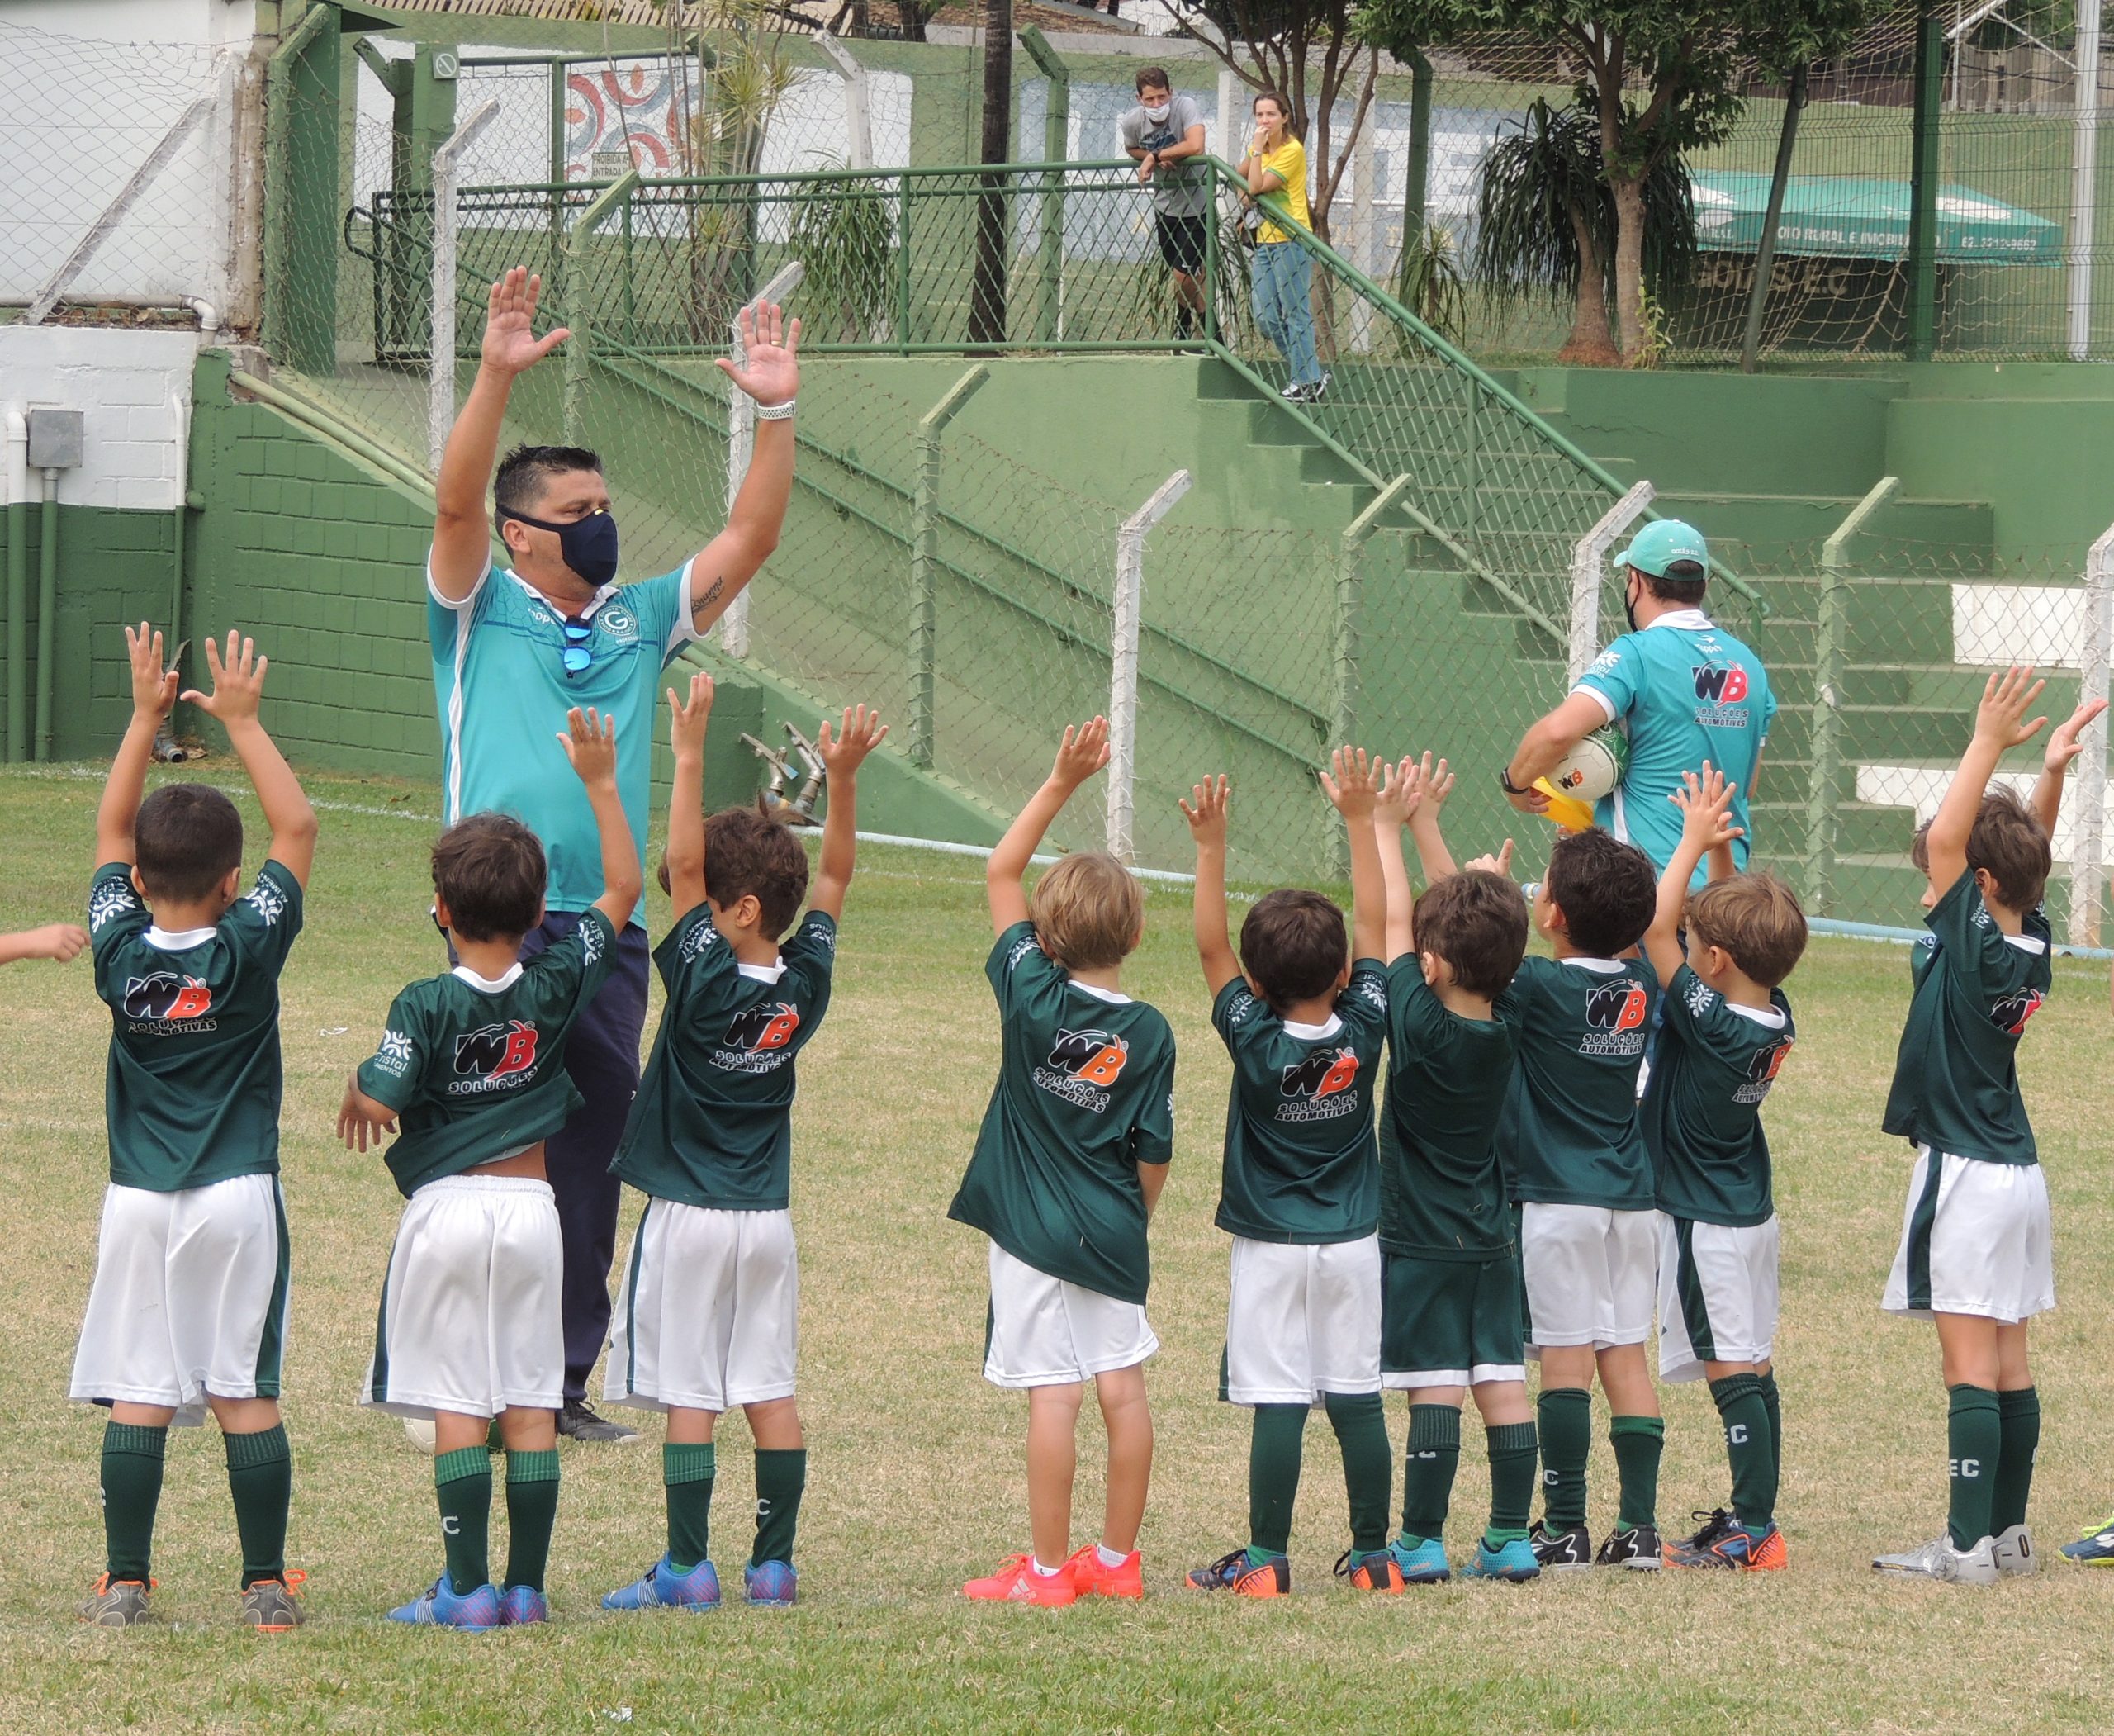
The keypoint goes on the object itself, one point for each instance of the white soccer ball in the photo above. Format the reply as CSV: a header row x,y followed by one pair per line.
x,y
1595,767
420,1432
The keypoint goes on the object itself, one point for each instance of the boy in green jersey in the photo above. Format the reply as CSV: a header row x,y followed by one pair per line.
x,y
469,1075
1974,1254
1726,1031
708,1315
1589,1225
188,1310
1069,1161
1305,1018
1450,1309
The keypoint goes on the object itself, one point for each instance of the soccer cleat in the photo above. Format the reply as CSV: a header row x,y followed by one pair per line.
x,y
660,1587
1370,1570
1424,1564
273,1605
1515,1562
118,1603
1017,1582
1938,1559
521,1606
771,1585
2094,1547
439,1606
1716,1523
1638,1547
2014,1554
1560,1551
1231,1573
1091,1578
1733,1546
578,1421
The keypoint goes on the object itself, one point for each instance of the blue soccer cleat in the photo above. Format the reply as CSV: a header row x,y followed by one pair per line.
x,y
772,1585
662,1587
2095,1548
521,1606
439,1606
1424,1564
1514,1562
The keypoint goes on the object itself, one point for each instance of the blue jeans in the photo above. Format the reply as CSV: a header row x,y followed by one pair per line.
x,y
1281,282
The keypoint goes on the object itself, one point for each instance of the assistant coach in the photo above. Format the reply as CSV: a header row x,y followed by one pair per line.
x,y
513,647
1684,688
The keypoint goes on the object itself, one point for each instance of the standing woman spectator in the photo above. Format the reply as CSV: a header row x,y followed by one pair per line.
x,y
1282,279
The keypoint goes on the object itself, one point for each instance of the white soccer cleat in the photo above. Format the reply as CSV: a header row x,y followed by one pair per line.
x,y
1938,1559
2014,1551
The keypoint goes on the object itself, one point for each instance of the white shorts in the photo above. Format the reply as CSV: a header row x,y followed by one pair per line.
x,y
1717,1295
1302,1320
1592,1275
1974,1240
469,1319
708,1316
1045,1332
189,1297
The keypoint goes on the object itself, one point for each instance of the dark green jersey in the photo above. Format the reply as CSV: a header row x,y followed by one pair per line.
x,y
1702,1108
1301,1164
192,1090
1085,1095
476,1069
1442,1191
712,1122
1955,1081
1570,1135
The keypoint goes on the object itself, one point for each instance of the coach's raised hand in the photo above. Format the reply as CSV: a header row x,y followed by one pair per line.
x,y
511,345
770,370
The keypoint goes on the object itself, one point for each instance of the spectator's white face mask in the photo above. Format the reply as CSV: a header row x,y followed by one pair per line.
x,y
1161,113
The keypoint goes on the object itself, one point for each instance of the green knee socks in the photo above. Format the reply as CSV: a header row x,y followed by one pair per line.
x,y
131,1491
687,1472
462,1484
1751,1446
1276,1439
531,1511
781,1479
2018,1415
261,1481
1513,1450
1361,1424
1429,1464
1638,1442
1566,1416
1974,1444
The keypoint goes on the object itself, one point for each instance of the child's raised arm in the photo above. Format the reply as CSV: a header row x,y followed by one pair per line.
x,y
1433,784
686,725
859,733
1083,752
1397,800
237,692
1352,783
589,740
153,692
2063,747
1207,826
1999,725
1706,805
57,940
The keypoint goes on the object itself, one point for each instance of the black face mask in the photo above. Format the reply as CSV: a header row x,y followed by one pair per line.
x,y
1629,602
588,546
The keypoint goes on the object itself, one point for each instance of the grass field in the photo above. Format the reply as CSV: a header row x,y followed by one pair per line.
x,y
916,1480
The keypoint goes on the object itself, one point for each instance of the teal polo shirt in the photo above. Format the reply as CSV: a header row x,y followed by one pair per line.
x,y
499,675
1685,691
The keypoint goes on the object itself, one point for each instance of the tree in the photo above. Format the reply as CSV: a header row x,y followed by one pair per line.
x,y
1273,43
1660,78
987,298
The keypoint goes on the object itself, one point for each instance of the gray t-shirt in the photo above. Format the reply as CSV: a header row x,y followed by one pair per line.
x,y
1179,189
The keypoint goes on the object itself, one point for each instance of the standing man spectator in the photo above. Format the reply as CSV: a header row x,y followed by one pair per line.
x,y
1161,134
512,649
1684,688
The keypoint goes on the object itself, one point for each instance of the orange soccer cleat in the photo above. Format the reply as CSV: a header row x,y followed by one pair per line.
x,y
1017,1582
1093,1579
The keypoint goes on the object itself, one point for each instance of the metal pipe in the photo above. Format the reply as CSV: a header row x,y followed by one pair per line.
x,y
47,609
17,483
1128,620
2084,172
1350,588
924,562
2088,835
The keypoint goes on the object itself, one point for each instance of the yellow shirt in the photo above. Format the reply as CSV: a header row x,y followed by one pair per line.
x,y
1288,161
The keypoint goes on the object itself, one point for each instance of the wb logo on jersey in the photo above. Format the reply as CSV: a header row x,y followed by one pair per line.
x,y
493,1053
2010,1013
164,997
1720,683
1322,1074
1762,1071
1617,1005
768,1025
1093,1055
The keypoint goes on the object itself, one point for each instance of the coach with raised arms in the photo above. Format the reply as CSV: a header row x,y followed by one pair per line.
x,y
1683,689
513,648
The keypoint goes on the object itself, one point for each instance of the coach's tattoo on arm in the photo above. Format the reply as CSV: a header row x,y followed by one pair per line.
x,y
705,600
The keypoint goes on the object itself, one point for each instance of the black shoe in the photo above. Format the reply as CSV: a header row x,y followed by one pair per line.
x,y
1638,1547
577,1422
1716,1523
1185,321
1557,1551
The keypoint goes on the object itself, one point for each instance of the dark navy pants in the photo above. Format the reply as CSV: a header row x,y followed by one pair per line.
x,y
602,1056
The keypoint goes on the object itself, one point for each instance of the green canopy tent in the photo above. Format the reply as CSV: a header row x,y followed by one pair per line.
x,y
1849,217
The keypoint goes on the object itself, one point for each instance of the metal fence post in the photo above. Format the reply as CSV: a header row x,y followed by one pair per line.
x,y
858,124
2084,183
924,562
440,375
1350,589
2089,834
1056,135
1829,646
741,443
1128,617
1588,557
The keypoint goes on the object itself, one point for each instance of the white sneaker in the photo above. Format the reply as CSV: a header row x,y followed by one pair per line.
x,y
2014,1553
1938,1559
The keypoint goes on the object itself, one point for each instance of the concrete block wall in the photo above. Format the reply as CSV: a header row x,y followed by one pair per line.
x,y
134,390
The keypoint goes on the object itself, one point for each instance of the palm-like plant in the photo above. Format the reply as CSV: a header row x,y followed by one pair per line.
x,y
1428,282
844,234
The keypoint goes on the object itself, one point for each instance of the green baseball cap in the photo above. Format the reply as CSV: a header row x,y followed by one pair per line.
x,y
1663,544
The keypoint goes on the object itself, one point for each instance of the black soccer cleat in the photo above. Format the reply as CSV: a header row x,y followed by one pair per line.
x,y
1638,1547
1560,1551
